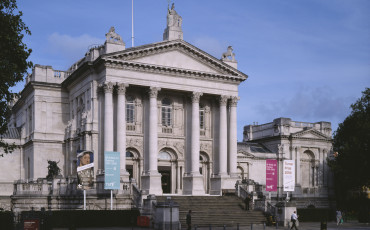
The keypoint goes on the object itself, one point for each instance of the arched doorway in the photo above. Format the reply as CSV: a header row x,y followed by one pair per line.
x,y
164,168
133,164
204,169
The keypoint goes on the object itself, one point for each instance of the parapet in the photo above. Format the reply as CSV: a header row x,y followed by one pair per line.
x,y
43,73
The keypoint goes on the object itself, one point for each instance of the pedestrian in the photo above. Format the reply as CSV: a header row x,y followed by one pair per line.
x,y
188,220
247,200
294,219
339,217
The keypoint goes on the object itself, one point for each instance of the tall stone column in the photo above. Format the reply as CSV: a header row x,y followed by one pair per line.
x,y
221,180
195,142
153,131
233,142
108,116
193,181
223,137
151,180
121,129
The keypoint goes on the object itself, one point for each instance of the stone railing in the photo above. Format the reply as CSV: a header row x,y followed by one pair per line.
x,y
136,196
32,187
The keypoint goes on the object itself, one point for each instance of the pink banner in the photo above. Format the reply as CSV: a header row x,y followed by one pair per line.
x,y
271,175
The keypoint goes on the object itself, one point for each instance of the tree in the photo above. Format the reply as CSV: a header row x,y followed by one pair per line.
x,y
13,59
351,161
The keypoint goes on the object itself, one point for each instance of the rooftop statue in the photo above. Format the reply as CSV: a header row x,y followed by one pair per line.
x,y
228,53
113,37
173,18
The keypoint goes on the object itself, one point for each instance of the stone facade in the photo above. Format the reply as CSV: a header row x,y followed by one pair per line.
x,y
168,107
308,144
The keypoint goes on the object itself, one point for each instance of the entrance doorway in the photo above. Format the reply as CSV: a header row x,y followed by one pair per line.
x,y
165,178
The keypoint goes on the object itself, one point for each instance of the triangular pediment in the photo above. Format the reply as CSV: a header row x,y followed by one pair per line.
x,y
177,59
311,134
176,55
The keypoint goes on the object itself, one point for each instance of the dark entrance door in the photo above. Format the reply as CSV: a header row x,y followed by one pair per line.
x,y
165,179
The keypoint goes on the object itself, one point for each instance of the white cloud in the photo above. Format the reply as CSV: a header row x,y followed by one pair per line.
x,y
309,104
69,47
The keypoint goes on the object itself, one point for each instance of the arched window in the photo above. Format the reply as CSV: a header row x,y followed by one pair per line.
x,y
164,155
129,154
130,110
166,112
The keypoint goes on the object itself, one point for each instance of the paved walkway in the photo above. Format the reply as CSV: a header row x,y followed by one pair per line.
x,y
303,226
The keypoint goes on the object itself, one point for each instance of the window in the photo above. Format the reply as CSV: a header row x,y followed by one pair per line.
x,y
129,154
130,110
30,119
164,156
166,112
201,117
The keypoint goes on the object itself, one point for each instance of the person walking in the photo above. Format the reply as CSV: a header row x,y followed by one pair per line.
x,y
188,220
294,219
339,217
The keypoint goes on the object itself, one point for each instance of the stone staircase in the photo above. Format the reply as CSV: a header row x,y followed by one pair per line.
x,y
215,211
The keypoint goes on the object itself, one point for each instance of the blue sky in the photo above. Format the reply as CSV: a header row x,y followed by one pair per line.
x,y
307,60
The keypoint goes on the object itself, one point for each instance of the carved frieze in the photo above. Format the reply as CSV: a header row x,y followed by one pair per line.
x,y
206,147
176,145
136,143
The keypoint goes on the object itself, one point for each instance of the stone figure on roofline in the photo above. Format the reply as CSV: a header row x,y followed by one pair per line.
x,y
173,18
112,36
228,53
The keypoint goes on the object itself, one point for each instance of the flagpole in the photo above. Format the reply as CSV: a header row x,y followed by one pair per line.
x,y
132,22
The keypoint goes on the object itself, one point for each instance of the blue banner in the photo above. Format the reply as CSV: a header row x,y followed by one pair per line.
x,y
112,170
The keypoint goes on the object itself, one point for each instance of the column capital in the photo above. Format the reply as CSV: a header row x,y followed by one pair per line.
x,y
121,88
153,91
223,99
234,100
195,97
108,87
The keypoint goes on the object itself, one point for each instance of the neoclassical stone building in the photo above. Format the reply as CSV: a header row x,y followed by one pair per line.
x,y
169,108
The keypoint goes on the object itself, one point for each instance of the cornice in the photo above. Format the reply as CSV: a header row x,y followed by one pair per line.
x,y
179,45
149,68
321,137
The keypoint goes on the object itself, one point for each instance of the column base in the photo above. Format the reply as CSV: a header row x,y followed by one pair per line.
x,y
222,182
193,185
151,183
124,183
124,176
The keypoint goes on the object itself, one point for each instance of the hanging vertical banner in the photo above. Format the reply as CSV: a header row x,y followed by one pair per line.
x,y
288,175
112,170
271,175
85,169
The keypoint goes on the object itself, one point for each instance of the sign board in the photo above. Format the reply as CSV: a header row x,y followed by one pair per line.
x,y
85,169
271,175
289,175
112,170
33,224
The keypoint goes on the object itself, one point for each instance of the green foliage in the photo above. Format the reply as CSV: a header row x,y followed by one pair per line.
x,y
352,142
53,170
13,57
